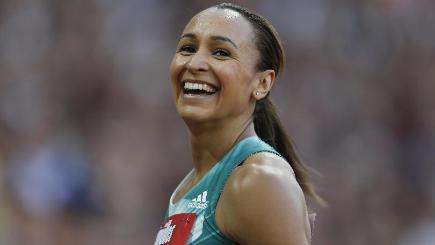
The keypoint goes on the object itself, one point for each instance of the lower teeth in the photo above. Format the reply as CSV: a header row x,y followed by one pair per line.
x,y
190,92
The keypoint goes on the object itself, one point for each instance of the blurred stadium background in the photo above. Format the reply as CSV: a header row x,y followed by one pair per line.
x,y
91,146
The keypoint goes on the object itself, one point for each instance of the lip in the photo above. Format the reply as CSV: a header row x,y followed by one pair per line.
x,y
197,97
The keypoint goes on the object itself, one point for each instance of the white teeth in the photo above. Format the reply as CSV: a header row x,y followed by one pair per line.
x,y
199,86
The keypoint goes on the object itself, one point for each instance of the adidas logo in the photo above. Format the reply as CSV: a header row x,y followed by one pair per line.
x,y
165,234
199,202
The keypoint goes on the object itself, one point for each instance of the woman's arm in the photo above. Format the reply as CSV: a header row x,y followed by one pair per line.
x,y
262,203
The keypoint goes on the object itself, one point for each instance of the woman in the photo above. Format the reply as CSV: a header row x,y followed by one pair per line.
x,y
247,185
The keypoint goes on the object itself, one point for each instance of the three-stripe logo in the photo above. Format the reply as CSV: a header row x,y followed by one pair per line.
x,y
199,202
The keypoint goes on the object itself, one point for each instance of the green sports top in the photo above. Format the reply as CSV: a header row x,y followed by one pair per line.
x,y
192,219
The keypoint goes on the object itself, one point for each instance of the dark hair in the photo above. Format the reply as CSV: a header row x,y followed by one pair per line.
x,y
267,124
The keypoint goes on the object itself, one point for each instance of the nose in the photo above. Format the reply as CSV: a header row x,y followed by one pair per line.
x,y
198,62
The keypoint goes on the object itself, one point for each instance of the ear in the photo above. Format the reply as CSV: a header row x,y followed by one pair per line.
x,y
264,83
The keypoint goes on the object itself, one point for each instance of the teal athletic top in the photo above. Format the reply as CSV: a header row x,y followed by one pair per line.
x,y
192,219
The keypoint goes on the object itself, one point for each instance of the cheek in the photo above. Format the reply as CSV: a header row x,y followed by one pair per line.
x,y
235,77
176,67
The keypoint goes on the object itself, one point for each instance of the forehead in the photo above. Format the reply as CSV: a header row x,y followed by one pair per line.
x,y
224,22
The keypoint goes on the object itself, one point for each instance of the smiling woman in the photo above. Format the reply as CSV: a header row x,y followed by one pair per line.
x,y
247,185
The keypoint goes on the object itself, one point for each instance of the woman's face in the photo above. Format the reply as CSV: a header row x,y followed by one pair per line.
x,y
213,69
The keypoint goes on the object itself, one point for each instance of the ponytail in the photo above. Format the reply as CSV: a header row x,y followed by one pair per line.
x,y
269,128
266,121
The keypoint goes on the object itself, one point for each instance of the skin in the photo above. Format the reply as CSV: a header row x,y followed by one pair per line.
x,y
217,48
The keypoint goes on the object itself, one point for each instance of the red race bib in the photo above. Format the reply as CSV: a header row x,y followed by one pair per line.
x,y
176,229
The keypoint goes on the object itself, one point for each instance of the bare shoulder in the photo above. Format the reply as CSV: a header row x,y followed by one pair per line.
x,y
262,203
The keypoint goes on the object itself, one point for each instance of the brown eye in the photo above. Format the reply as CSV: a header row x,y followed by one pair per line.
x,y
221,53
186,50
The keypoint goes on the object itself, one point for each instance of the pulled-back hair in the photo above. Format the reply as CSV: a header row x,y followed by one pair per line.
x,y
267,123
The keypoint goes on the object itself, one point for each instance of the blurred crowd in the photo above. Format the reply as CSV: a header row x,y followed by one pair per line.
x,y
91,146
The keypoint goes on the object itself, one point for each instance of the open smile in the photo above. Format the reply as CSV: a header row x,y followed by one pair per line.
x,y
197,88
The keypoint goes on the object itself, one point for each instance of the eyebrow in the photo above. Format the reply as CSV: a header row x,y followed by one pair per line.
x,y
214,38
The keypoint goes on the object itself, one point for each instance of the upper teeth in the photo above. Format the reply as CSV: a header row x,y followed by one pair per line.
x,y
199,86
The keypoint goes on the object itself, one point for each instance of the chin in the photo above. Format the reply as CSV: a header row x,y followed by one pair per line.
x,y
194,116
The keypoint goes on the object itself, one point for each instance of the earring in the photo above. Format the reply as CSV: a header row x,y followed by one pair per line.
x,y
257,93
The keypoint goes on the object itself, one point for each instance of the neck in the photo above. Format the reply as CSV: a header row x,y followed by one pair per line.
x,y
211,142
